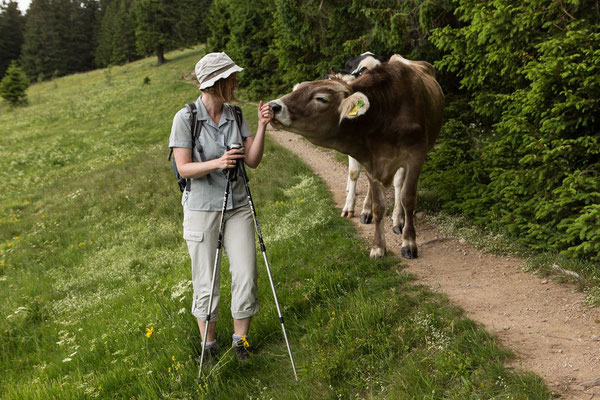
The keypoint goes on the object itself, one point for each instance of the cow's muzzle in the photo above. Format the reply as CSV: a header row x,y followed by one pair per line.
x,y
275,107
280,112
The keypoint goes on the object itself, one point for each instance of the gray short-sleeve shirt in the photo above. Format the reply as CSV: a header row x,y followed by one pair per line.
x,y
207,194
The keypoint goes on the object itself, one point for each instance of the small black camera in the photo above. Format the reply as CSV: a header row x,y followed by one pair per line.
x,y
233,146
232,172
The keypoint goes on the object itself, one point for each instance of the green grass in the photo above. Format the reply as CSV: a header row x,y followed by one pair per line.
x,y
91,257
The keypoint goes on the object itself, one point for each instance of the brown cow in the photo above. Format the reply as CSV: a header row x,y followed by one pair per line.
x,y
388,119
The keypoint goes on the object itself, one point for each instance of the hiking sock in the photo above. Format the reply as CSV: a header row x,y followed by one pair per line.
x,y
236,338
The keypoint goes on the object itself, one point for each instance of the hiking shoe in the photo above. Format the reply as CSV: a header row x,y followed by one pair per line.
x,y
241,349
210,355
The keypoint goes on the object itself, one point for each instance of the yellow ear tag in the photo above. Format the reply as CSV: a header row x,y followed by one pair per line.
x,y
354,111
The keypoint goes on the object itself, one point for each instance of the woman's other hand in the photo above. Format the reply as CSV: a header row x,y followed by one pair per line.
x,y
265,114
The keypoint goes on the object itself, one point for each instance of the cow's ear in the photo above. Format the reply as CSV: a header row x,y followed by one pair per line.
x,y
354,106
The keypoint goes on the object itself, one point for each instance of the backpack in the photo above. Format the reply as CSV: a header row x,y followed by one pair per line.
x,y
195,130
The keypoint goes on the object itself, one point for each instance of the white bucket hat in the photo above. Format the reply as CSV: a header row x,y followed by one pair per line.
x,y
214,66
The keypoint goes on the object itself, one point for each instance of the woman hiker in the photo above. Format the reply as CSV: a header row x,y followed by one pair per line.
x,y
202,201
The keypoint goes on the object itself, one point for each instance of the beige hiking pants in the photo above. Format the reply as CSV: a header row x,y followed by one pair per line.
x,y
201,232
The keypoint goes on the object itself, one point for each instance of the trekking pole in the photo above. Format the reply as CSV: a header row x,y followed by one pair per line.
x,y
217,262
264,252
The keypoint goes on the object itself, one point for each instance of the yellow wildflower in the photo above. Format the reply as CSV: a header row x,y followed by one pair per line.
x,y
81,244
333,313
10,244
173,358
246,344
149,331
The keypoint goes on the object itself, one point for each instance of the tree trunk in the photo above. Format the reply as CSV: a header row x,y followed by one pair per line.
x,y
160,54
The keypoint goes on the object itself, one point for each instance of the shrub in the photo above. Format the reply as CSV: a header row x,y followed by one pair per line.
x,y
14,85
531,71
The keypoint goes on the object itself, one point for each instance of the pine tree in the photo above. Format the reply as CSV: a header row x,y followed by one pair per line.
x,y
155,31
59,37
104,40
218,21
195,13
38,55
116,36
14,85
245,31
11,34
124,43
81,39
162,25
74,22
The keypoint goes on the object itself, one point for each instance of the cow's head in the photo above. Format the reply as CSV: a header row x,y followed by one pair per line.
x,y
316,109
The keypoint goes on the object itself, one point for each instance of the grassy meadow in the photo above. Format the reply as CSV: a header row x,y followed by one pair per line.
x,y
95,284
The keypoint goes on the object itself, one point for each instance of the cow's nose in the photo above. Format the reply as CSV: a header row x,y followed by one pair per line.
x,y
275,107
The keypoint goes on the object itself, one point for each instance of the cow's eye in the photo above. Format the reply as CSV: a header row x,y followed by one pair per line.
x,y
321,99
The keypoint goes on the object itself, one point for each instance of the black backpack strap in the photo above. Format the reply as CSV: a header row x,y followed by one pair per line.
x,y
191,107
196,130
237,110
183,183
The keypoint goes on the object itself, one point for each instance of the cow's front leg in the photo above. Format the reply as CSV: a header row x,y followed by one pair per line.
x,y
353,174
378,207
366,215
398,214
409,202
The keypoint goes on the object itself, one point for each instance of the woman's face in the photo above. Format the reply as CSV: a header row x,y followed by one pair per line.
x,y
230,85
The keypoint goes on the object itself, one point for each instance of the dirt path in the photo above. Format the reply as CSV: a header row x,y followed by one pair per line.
x,y
546,324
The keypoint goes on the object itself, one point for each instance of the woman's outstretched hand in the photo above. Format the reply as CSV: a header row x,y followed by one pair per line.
x,y
265,114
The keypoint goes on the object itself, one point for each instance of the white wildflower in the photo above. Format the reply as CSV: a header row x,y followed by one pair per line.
x,y
178,291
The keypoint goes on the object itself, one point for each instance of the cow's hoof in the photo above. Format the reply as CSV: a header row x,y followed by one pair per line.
x,y
366,218
398,229
409,252
377,252
347,214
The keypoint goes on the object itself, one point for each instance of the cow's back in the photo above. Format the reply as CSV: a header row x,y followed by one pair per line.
x,y
434,98
406,99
